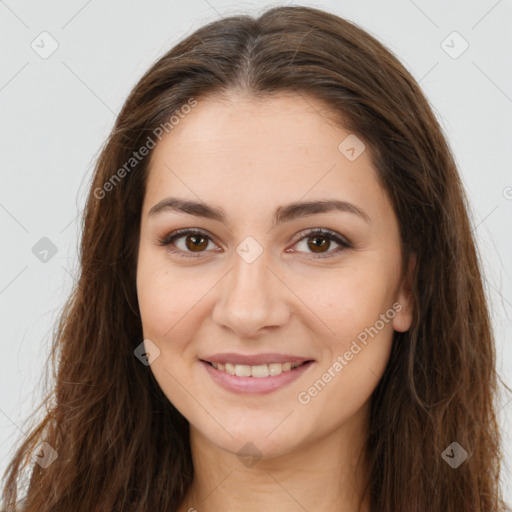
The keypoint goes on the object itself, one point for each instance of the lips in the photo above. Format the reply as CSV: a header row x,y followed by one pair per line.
x,y
251,384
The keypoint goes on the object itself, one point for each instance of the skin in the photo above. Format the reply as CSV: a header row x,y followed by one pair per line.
x,y
250,157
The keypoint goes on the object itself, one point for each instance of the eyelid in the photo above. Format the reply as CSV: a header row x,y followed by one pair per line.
x,y
328,233
185,231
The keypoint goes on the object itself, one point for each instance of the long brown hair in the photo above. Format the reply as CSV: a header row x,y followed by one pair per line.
x,y
121,444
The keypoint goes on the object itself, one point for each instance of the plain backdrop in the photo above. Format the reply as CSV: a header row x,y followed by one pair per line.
x,y
66,69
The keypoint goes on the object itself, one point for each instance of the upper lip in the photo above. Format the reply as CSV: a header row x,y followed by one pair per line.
x,y
255,359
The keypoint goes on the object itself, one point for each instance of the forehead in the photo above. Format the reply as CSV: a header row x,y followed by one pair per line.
x,y
259,151
239,122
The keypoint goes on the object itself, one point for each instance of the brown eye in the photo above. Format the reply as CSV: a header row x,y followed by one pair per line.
x,y
319,243
187,242
196,243
192,243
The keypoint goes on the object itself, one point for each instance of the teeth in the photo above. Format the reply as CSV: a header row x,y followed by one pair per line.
x,y
261,370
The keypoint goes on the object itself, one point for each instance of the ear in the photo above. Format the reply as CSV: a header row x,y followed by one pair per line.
x,y
403,318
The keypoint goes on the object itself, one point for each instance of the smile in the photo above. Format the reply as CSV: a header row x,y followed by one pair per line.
x,y
261,370
242,378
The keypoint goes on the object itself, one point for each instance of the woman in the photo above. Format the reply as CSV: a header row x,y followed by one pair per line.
x,y
280,304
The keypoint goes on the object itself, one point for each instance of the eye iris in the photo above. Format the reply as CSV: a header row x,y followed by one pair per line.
x,y
194,246
323,244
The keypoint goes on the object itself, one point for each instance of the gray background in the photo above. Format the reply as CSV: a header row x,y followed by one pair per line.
x,y
56,112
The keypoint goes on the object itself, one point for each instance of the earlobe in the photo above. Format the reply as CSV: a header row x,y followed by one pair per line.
x,y
405,307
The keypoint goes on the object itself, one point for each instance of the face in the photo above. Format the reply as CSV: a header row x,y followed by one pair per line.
x,y
255,277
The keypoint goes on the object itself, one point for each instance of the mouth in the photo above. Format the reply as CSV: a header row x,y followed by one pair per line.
x,y
258,371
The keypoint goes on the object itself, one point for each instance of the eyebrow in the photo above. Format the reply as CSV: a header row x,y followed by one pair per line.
x,y
283,214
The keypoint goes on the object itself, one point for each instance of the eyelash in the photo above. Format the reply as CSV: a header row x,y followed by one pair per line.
x,y
319,232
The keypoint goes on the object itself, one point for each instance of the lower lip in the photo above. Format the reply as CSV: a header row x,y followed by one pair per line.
x,y
255,385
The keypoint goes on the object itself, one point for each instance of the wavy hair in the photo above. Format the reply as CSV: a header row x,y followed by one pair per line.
x,y
121,444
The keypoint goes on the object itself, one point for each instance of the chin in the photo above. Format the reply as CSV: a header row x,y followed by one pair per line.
x,y
255,442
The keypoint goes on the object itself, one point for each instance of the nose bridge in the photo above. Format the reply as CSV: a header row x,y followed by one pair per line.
x,y
250,297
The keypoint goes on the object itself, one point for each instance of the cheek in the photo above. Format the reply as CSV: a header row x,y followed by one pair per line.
x,y
163,307
153,299
355,357
356,308
163,296
172,306
361,313
351,300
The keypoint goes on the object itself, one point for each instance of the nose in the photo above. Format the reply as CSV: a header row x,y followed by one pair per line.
x,y
252,299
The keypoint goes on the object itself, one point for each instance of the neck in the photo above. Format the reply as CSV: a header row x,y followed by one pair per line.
x,y
322,474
